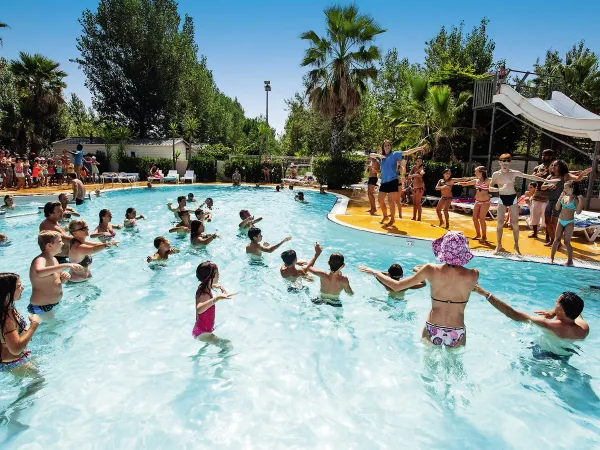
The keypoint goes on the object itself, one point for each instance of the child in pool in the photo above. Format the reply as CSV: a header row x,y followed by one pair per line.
x,y
255,248
333,282
299,197
396,273
248,220
163,247
289,267
207,274
203,216
131,217
190,198
182,227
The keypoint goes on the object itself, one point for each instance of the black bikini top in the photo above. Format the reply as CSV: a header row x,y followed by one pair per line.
x,y
447,301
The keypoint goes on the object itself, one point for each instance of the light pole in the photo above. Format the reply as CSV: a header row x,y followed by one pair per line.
x,y
267,90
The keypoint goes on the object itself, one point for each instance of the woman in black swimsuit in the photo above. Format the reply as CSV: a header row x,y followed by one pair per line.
x,y
82,250
15,335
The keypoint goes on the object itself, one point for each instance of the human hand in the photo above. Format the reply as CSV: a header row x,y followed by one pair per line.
x,y
142,216
301,263
367,270
65,276
224,296
289,238
417,268
588,170
34,318
112,244
222,289
478,289
547,314
318,248
75,267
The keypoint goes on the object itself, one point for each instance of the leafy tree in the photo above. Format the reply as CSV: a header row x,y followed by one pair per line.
x,y
475,49
3,25
10,112
305,132
136,56
173,131
189,125
82,120
343,62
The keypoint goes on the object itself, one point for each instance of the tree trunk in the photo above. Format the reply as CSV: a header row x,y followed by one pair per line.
x,y
338,123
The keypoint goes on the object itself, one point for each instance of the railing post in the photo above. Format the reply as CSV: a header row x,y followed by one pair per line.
x,y
592,180
489,161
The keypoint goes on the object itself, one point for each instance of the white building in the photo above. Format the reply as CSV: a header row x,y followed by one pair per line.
x,y
153,148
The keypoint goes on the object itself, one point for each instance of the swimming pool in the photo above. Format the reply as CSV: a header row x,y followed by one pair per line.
x,y
118,366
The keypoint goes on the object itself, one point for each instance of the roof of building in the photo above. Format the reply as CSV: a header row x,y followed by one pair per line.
x,y
97,140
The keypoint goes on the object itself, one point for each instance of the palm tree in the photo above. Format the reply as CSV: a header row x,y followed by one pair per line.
x,y
3,25
343,62
431,115
581,76
173,129
190,128
40,83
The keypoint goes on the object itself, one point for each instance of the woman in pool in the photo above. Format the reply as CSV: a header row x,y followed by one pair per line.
x,y
197,235
418,187
450,284
9,202
389,177
105,230
445,187
569,204
208,275
82,250
482,201
131,217
15,335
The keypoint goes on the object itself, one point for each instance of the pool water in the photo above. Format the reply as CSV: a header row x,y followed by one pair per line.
x,y
117,367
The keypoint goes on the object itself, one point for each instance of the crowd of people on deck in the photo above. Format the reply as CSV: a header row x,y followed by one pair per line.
x,y
67,256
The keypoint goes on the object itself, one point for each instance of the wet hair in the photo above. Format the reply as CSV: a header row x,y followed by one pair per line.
x,y
129,211
198,212
47,237
576,188
563,169
277,188
208,199
49,208
253,232
395,271
336,261
73,176
74,223
300,196
244,213
505,156
8,289
159,240
63,195
288,257
180,198
6,197
205,273
572,304
291,187
190,195
102,213
383,146
195,229
483,171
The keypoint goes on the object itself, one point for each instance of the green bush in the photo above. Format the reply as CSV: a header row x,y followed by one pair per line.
x,y
142,165
433,173
205,168
219,152
339,171
103,160
252,169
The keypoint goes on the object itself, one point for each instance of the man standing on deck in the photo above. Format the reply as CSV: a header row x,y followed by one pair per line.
x,y
540,197
78,159
78,189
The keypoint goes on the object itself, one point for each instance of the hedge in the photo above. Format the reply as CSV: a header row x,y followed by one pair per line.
x,y
141,166
251,169
339,171
205,168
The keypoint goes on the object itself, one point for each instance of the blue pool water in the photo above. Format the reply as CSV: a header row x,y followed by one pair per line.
x,y
117,366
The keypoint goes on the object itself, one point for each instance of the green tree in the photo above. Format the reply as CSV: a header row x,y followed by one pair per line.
x,y
173,131
82,120
40,84
189,125
10,113
343,63
136,56
3,25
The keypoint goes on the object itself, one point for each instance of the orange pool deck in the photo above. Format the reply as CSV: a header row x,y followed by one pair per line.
x,y
356,215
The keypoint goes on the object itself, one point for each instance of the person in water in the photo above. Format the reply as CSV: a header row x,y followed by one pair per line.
x,y
197,235
207,274
248,220
131,217
149,185
53,212
208,202
451,285
395,272
68,212
564,321
202,216
14,334
569,204
3,237
47,275
299,197
183,226
105,230
163,249
9,202
181,206
82,250
190,198
255,247
333,282
290,270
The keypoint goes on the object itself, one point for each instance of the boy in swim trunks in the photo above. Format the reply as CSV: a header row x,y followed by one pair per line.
x,y
256,248
181,206
47,275
333,282
163,247
184,225
289,270
395,272
248,220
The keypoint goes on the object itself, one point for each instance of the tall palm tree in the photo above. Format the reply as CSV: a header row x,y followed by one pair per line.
x,y
343,62
40,82
431,115
189,126
581,76
3,25
173,130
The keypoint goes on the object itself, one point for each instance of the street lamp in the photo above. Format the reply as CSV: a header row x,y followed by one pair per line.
x,y
267,90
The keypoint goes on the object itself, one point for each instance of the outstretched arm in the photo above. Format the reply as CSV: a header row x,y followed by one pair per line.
x,y
272,248
400,285
535,178
510,312
312,262
419,149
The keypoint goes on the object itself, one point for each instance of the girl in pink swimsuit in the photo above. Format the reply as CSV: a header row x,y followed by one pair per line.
x,y
208,275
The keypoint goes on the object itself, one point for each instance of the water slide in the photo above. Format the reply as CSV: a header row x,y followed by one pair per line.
x,y
560,114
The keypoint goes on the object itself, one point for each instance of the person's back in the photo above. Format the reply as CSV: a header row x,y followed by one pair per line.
x,y
333,283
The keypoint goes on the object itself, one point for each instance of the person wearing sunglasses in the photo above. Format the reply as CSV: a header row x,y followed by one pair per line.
x,y
504,179
82,250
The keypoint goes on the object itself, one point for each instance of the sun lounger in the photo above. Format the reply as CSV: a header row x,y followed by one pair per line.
x,y
430,200
189,175
171,176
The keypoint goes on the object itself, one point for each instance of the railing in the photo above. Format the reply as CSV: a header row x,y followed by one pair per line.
x,y
483,92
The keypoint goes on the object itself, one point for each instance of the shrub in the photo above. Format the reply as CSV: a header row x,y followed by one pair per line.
x,y
219,152
142,165
103,160
433,173
205,168
252,169
339,171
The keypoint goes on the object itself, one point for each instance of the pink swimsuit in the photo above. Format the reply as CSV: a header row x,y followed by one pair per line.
x,y
205,322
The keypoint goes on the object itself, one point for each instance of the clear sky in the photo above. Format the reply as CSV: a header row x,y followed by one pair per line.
x,y
247,42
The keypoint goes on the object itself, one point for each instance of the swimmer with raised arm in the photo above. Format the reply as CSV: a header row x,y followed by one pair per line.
x,y
68,212
395,272
131,218
255,248
333,282
290,270
181,206
202,216
248,220
182,227
564,321
197,235
105,230
163,249
81,250
47,275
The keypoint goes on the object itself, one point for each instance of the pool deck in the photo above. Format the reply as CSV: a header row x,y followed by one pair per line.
x,y
356,216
